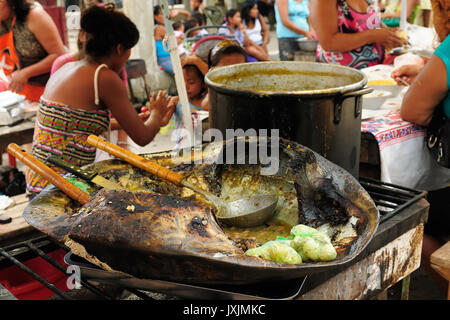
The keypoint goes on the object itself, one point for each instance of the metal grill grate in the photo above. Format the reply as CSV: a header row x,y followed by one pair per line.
x,y
390,199
14,254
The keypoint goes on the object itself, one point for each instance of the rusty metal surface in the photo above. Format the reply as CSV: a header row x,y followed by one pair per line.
x,y
375,273
163,236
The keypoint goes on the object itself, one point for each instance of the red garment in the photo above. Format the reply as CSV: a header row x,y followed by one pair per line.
x,y
351,21
9,62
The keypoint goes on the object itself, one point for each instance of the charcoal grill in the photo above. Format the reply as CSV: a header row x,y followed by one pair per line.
x,y
399,211
390,199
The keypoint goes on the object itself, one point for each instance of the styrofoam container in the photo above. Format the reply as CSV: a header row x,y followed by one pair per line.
x,y
375,99
394,89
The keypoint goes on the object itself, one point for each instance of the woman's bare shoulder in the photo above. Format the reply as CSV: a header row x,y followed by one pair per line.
x,y
37,12
110,80
38,18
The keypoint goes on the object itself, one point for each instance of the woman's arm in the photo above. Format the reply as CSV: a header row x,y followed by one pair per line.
x,y
115,125
202,66
324,18
160,32
114,95
174,12
283,9
247,40
45,31
425,93
411,5
265,31
311,29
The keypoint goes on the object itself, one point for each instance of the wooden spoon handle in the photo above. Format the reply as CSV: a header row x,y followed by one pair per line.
x,y
47,173
136,160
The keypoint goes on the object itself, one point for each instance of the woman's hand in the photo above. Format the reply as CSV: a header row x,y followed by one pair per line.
x,y
157,105
309,35
264,46
18,81
162,108
388,38
172,103
144,115
407,73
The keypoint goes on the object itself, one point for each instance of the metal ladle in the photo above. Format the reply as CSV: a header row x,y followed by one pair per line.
x,y
241,213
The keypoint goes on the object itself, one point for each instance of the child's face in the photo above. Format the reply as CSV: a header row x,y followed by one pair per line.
x,y
254,12
230,59
181,28
159,18
236,19
195,4
194,83
195,32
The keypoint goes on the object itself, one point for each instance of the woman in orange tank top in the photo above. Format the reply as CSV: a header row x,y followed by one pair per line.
x,y
29,43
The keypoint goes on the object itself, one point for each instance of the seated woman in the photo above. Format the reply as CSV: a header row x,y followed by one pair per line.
x,y
201,19
350,33
66,118
429,89
256,31
234,21
29,43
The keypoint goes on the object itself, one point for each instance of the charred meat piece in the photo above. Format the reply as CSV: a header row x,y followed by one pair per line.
x,y
246,244
150,222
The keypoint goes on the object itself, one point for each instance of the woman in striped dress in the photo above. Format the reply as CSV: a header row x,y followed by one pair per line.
x,y
80,95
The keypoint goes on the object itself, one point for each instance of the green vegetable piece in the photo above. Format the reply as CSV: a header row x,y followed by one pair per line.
x,y
297,244
284,238
83,186
302,231
312,244
276,251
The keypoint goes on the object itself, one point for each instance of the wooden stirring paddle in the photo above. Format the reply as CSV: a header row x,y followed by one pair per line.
x,y
244,212
47,173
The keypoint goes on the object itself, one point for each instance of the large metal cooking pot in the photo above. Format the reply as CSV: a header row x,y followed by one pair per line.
x,y
315,104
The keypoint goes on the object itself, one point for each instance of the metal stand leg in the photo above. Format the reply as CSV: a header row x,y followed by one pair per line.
x,y
405,287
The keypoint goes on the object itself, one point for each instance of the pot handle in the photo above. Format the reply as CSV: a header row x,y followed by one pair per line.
x,y
340,99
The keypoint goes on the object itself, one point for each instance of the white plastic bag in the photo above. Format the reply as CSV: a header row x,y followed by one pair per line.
x,y
407,58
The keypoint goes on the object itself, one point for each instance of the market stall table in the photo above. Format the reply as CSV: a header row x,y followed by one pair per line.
x,y
18,228
440,261
20,134
393,150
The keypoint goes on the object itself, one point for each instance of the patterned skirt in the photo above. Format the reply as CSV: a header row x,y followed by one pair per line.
x,y
62,131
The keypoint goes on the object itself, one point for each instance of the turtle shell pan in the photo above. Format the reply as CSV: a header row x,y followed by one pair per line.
x,y
152,229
